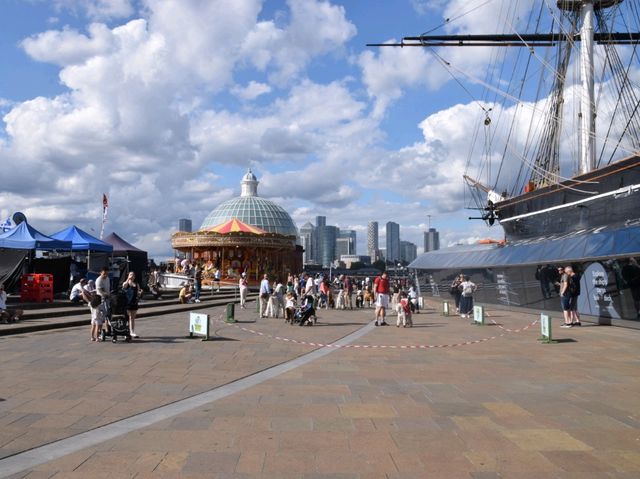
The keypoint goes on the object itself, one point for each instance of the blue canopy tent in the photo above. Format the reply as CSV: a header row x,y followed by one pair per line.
x,y
98,251
20,243
25,236
81,240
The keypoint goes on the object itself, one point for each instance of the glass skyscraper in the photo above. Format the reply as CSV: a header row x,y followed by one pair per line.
x,y
393,241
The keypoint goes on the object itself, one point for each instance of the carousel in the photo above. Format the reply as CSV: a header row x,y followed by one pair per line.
x,y
247,234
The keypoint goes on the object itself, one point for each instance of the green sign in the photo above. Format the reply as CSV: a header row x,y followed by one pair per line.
x,y
545,329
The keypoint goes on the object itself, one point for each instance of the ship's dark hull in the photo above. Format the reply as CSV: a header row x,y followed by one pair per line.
x,y
591,222
604,197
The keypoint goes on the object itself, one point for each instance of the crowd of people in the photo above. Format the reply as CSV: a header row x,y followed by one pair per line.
x,y
277,297
567,285
99,295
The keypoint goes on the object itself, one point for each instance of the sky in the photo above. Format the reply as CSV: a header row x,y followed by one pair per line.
x,y
164,104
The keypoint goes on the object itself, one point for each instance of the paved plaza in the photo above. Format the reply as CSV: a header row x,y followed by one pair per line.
x,y
342,399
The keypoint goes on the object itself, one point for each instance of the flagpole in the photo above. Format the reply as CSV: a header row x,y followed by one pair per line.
x,y
105,208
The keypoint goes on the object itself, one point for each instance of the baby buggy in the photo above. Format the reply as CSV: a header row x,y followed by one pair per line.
x,y
305,315
117,323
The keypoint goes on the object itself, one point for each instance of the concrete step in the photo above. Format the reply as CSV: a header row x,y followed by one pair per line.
x,y
40,320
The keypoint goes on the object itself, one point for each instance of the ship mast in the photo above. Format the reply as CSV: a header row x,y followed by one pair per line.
x,y
546,163
587,97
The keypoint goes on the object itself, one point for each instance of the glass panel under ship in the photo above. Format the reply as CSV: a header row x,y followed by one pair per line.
x,y
524,273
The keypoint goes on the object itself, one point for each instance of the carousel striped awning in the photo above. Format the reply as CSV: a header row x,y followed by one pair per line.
x,y
234,225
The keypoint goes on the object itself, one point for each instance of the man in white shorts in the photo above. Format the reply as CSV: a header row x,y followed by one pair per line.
x,y
381,290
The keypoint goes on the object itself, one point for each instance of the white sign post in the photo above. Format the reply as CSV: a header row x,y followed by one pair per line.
x,y
545,329
478,315
199,325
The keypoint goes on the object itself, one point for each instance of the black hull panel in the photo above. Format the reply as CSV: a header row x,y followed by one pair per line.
x,y
605,197
610,289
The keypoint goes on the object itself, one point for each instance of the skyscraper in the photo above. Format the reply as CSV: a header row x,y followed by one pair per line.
x,y
307,238
393,241
431,240
326,244
345,243
318,241
372,240
408,251
184,224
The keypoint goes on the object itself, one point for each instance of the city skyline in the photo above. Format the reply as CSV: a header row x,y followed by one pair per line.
x,y
315,239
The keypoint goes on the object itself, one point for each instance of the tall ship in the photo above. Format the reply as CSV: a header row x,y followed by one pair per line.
x,y
559,137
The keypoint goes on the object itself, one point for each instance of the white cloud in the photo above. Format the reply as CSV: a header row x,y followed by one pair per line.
x,y
98,9
314,28
67,47
252,91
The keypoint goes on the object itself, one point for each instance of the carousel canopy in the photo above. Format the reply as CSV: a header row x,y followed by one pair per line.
x,y
234,225
253,210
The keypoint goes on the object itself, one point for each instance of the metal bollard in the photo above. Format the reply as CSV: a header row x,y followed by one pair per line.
x,y
445,308
230,313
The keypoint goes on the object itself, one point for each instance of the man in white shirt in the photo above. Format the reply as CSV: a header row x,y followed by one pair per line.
x,y
103,284
310,287
265,292
76,292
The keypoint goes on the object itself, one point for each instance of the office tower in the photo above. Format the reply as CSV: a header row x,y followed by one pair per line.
x,y
318,253
408,251
372,240
326,236
431,240
307,240
345,243
184,224
393,241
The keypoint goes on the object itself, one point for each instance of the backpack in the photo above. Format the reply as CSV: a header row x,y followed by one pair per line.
x,y
574,286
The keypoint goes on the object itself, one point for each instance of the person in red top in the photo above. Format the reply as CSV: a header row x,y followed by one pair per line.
x,y
381,290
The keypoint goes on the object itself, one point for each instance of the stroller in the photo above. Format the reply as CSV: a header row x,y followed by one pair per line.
x,y
305,315
117,323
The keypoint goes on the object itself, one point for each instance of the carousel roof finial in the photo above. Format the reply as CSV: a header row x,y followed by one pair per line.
x,y
249,184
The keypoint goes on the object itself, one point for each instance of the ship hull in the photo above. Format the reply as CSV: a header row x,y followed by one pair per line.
x,y
604,197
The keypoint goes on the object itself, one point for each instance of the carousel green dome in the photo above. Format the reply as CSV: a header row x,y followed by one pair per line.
x,y
253,210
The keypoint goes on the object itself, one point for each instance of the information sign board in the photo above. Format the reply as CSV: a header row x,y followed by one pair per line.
x,y
199,324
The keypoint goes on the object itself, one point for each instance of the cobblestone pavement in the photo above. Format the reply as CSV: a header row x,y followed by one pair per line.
x,y
442,399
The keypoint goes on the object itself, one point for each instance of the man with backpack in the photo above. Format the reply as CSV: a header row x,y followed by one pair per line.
x,y
574,292
569,292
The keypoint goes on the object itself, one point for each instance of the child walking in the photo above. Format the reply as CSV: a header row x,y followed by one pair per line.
x,y
404,311
98,315
289,308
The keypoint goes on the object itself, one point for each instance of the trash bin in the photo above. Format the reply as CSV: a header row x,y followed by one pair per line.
x,y
445,308
231,313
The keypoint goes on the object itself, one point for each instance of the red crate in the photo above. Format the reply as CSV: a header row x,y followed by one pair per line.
x,y
36,296
37,278
36,287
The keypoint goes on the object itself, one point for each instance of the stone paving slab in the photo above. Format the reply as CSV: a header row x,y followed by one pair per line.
x,y
504,407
